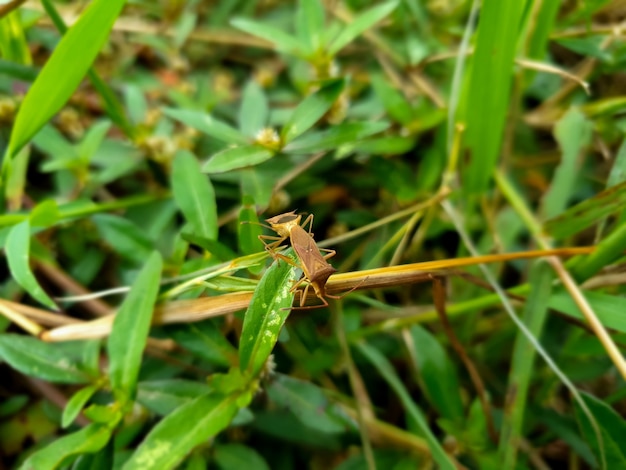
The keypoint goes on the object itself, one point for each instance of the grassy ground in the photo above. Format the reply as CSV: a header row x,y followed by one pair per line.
x,y
467,167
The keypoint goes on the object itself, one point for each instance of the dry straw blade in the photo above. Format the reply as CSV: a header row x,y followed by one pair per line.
x,y
186,311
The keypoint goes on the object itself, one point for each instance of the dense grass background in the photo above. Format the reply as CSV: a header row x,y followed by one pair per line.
x,y
137,141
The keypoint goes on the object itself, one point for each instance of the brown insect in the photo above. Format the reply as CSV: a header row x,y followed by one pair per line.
x,y
312,262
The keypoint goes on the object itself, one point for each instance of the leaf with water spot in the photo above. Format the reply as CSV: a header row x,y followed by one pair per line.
x,y
268,310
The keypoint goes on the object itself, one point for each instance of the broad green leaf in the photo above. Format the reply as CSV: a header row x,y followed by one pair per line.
x,y
238,456
573,132
254,110
258,183
93,139
44,214
206,341
130,328
17,250
608,308
308,403
89,439
360,24
207,124
310,25
76,404
346,133
437,374
612,429
164,396
311,109
283,41
385,369
124,237
396,104
47,361
249,229
178,433
268,310
237,157
588,212
64,70
194,195
488,93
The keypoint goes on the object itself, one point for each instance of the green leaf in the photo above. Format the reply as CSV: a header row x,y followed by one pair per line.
x,y
46,361
207,342
124,237
608,308
194,195
266,314
437,374
89,439
76,404
310,25
254,110
64,70
396,104
164,396
130,328
207,124
282,41
93,139
308,403
489,88
181,431
385,369
249,229
312,109
17,249
237,157
573,132
588,212
346,133
360,24
238,456
612,429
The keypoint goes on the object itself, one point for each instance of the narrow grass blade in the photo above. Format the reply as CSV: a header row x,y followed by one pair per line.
x,y
311,109
587,213
56,82
194,194
385,369
489,89
44,361
608,251
520,377
235,158
573,132
88,440
360,24
268,310
207,124
17,249
124,237
180,432
130,328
